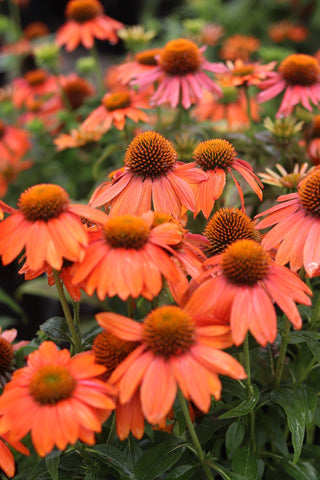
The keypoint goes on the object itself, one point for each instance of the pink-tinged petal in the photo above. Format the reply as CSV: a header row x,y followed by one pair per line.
x,y
163,262
98,199
122,327
218,361
279,231
271,92
292,245
311,251
165,234
183,191
249,176
185,94
145,197
88,212
164,197
158,390
36,245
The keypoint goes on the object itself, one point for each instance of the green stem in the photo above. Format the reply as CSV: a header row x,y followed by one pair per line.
x,y
76,312
249,390
65,307
282,353
194,437
14,13
249,113
315,316
112,430
99,73
130,307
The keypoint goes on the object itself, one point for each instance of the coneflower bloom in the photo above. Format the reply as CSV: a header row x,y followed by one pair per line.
x,y
128,258
142,62
181,74
7,460
60,396
296,226
298,76
85,22
35,83
116,107
175,350
285,179
230,110
35,30
239,47
78,137
226,226
76,90
110,351
151,174
7,350
47,225
245,73
242,287
42,109
217,157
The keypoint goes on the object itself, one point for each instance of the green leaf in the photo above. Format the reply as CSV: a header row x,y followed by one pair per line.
x,y
113,457
293,403
159,459
225,473
52,463
300,471
183,472
56,329
312,341
234,437
10,302
244,407
245,463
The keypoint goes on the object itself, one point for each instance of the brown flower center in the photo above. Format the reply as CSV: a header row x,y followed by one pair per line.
x,y
36,77
245,262
126,231
51,384
180,57
43,202
110,351
83,10
147,57
243,70
300,69
226,226
6,356
216,153
309,193
117,100
150,155
77,90
168,330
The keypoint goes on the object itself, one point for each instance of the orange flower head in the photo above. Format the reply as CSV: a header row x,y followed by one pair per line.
x,y
300,69
77,90
216,153
83,10
36,77
117,100
51,386
162,217
309,193
239,47
110,351
148,57
150,155
180,57
168,331
35,30
245,262
43,202
126,231
226,226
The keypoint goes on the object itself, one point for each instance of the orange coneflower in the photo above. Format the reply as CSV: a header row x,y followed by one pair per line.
x,y
110,351
42,109
142,62
7,349
296,226
241,288
181,74
128,258
35,83
231,109
14,143
244,73
115,108
86,21
175,350
35,30
226,226
47,226
60,396
151,173
239,47
285,30
78,137
217,157
76,89
299,76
